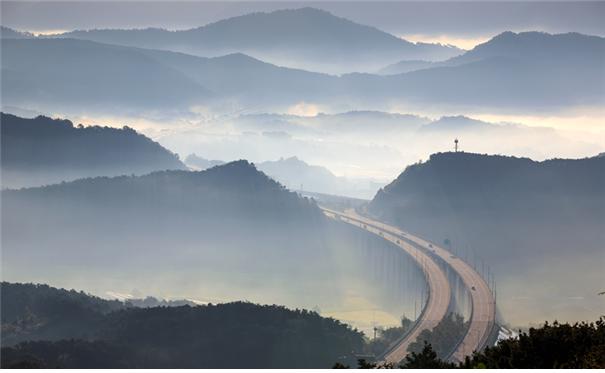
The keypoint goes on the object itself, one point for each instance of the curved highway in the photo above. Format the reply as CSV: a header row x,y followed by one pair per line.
x,y
439,288
483,316
483,312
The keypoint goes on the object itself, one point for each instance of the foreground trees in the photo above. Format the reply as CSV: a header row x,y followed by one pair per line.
x,y
53,328
556,345
581,345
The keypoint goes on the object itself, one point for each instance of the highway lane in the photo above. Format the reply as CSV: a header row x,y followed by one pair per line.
x,y
482,300
439,288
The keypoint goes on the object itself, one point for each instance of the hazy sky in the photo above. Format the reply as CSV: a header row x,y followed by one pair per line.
x,y
461,23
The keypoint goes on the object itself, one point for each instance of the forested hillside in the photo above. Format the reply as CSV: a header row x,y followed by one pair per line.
x,y
515,215
93,333
42,151
227,233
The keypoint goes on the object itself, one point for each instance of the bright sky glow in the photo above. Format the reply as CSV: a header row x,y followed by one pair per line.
x,y
466,43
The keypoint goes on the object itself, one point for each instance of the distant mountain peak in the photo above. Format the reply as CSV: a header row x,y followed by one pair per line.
x,y
307,10
457,122
539,42
239,58
455,118
9,33
292,159
240,164
304,38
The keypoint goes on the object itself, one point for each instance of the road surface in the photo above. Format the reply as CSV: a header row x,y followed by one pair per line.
x,y
439,288
483,315
483,312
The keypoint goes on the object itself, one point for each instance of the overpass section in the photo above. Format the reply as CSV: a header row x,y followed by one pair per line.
x,y
483,313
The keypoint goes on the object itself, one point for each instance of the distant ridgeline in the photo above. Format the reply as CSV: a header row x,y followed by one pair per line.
x,y
69,329
44,151
511,71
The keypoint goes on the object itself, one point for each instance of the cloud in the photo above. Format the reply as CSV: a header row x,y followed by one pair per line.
x,y
119,296
304,109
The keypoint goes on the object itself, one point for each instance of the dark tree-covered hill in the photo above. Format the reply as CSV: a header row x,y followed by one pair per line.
x,y
43,151
527,220
236,189
229,232
233,335
475,191
36,311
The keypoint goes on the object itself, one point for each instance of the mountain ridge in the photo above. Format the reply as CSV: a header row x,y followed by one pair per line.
x,y
65,152
307,34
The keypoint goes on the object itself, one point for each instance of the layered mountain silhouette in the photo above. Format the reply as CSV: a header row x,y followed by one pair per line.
x,y
405,66
42,151
528,70
368,147
528,46
53,73
70,329
519,216
561,71
8,33
460,124
295,174
368,122
67,73
382,126
350,123
200,163
539,47
306,38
